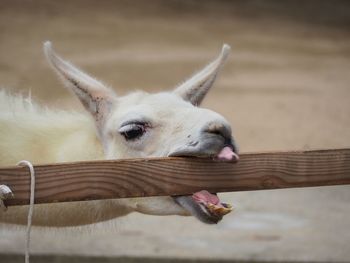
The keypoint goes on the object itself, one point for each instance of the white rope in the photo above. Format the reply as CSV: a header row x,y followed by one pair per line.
x,y
31,206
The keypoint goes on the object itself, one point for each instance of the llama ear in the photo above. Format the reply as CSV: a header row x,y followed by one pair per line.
x,y
195,88
95,96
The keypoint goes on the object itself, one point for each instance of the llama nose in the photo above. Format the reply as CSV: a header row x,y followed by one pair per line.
x,y
219,128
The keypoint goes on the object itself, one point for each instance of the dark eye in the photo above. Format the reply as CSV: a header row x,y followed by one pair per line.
x,y
132,131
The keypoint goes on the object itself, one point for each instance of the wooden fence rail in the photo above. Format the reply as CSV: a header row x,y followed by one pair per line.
x,y
177,176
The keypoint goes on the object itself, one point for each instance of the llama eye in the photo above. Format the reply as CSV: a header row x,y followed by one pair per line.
x,y
132,131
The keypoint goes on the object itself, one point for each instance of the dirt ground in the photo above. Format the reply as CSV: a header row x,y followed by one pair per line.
x,y
285,87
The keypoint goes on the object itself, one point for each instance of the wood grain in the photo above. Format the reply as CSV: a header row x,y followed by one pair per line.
x,y
177,176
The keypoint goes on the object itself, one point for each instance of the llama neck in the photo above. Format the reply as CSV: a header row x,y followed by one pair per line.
x,y
48,137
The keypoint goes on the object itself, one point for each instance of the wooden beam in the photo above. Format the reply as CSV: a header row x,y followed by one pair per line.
x,y
177,176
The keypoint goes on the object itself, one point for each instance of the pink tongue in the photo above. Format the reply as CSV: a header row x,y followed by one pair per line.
x,y
227,154
206,197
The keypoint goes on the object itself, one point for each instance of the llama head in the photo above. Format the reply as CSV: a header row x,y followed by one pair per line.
x,y
158,125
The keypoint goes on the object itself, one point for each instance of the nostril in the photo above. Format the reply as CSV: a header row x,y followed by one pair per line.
x,y
215,132
218,129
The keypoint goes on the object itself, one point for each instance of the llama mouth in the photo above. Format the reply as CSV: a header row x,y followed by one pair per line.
x,y
226,154
212,205
204,206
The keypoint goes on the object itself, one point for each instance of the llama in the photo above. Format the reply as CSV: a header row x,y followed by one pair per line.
x,y
137,125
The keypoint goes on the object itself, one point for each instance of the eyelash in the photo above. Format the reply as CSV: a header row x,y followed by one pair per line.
x,y
133,131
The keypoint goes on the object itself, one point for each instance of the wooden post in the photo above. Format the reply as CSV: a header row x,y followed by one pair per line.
x,y
177,176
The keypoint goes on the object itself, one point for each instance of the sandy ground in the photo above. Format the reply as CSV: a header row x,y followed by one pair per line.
x,y
285,87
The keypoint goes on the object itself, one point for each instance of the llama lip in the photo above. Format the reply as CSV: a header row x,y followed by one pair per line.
x,y
205,206
227,154
212,203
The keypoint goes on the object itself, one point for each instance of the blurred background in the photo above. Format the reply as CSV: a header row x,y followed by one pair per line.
x,y
285,87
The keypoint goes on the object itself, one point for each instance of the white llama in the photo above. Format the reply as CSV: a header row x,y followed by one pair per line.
x,y
137,125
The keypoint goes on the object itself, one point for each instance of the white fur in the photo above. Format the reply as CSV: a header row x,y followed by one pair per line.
x,y
44,135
